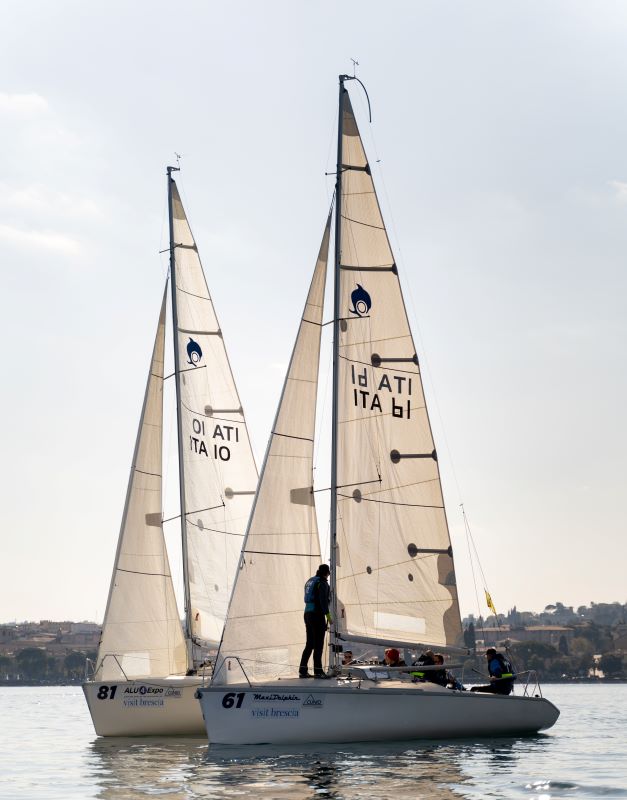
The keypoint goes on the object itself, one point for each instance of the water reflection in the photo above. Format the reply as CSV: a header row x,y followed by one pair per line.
x,y
523,768
124,769
183,769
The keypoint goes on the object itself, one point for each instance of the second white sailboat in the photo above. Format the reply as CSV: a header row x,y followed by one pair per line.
x,y
149,665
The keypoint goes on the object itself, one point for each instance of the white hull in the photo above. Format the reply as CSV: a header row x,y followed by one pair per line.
x,y
153,707
332,711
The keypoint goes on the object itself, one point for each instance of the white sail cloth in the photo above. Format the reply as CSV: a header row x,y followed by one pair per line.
x,y
395,574
142,634
264,628
220,475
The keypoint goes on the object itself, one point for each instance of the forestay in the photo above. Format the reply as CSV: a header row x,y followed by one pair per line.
x,y
220,475
395,574
264,627
142,634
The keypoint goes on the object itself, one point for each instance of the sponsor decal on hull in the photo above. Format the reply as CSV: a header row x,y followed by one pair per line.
x,y
140,695
275,698
313,702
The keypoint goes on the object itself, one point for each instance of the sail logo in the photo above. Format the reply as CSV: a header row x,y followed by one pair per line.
x,y
361,301
194,353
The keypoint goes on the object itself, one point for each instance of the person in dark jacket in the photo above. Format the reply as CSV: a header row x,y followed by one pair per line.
x,y
502,675
439,676
317,615
425,660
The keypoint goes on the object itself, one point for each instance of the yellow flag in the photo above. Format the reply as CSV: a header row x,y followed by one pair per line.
x,y
488,600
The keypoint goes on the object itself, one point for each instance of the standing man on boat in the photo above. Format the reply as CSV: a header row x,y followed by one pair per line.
x,y
317,615
502,675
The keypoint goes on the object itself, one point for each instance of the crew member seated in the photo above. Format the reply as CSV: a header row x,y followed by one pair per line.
x,y
425,660
392,658
502,674
439,676
347,658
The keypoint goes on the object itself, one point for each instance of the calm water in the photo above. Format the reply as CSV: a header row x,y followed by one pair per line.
x,y
48,750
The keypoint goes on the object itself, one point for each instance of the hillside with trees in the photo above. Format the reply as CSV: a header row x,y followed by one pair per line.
x,y
560,643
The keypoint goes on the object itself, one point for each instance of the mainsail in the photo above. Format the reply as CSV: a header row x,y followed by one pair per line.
x,y
391,556
142,634
218,467
394,564
281,550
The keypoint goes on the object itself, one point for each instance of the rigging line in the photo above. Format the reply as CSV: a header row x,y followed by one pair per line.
x,y
406,485
291,436
140,572
422,600
205,528
346,485
187,369
214,530
365,224
191,294
388,502
209,508
165,262
332,138
472,569
483,578
373,418
358,194
273,553
380,339
283,533
491,606
142,472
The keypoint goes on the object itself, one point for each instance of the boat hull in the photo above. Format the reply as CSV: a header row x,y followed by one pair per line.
x,y
154,707
341,712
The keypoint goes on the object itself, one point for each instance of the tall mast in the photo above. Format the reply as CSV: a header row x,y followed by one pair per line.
x,y
179,424
333,656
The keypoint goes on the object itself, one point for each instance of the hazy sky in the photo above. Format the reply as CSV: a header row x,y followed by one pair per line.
x,y
501,129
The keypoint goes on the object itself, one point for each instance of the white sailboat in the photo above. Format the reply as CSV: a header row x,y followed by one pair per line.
x,y
392,571
148,663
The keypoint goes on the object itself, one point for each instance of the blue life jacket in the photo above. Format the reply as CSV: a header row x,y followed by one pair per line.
x,y
311,593
503,665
